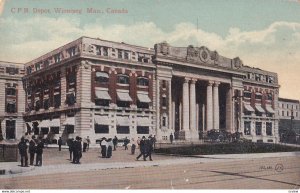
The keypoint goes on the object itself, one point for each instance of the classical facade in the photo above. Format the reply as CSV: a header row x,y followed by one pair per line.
x,y
204,90
98,88
12,97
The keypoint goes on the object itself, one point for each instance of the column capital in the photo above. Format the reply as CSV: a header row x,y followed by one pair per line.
x,y
216,83
210,83
186,80
193,80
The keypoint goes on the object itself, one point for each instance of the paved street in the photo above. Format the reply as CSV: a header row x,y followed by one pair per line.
x,y
275,170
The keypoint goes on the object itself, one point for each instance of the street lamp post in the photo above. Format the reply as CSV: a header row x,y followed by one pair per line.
x,y
236,98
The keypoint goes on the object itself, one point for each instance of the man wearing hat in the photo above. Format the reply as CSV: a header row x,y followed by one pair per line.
x,y
142,148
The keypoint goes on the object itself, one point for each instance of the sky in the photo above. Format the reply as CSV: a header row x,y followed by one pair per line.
x,y
264,34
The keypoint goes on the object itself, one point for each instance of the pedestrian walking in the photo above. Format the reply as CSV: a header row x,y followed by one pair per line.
x,y
85,144
126,142
171,138
109,146
115,142
149,148
71,147
59,143
138,141
88,143
133,146
103,144
39,153
77,153
22,146
32,149
154,141
142,149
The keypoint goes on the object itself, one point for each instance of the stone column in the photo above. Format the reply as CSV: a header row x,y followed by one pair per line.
x,y
185,104
193,105
229,110
209,107
216,112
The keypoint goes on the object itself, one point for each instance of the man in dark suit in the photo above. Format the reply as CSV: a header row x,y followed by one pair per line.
x,y
59,143
149,148
32,149
142,148
39,153
23,152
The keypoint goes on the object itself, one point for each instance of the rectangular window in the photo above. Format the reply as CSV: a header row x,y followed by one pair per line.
x,y
126,55
37,66
57,100
287,113
69,129
105,51
12,71
269,96
46,63
142,130
101,128
11,107
46,104
57,58
142,105
258,96
247,128
247,94
123,130
72,51
54,130
10,129
45,130
282,113
120,54
11,91
164,101
164,121
258,128
269,128
123,104
102,102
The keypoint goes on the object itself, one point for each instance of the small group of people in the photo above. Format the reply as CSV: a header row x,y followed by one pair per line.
x,y
75,148
36,147
146,147
107,147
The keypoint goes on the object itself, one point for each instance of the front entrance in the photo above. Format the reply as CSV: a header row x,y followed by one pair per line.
x,y
10,129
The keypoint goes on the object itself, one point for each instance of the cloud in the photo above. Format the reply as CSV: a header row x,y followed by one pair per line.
x,y
275,48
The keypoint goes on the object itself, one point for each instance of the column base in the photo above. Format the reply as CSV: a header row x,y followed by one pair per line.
x,y
189,135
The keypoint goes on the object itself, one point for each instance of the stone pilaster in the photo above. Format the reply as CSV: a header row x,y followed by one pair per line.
x,y
63,87
216,112
209,106
185,103
193,105
229,110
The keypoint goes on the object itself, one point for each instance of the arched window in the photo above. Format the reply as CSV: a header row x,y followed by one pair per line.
x,y
123,79
142,81
102,77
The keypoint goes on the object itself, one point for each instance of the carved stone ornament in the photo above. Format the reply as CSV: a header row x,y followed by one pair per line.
x,y
214,56
204,54
192,52
162,48
237,62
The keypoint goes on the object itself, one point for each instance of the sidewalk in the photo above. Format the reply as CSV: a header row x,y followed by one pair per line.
x,y
55,162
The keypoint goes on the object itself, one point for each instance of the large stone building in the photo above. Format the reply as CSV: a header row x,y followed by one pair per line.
x,y
12,97
98,88
289,115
